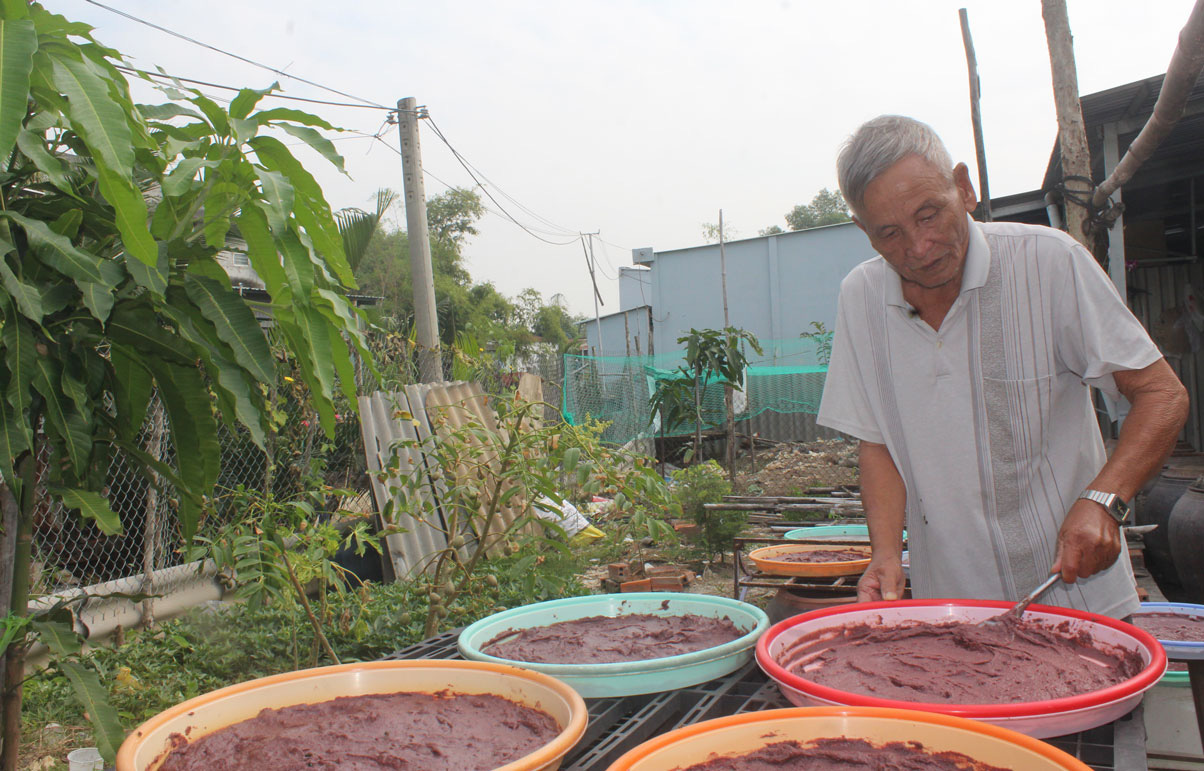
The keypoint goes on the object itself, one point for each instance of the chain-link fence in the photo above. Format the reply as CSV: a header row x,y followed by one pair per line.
x,y
148,557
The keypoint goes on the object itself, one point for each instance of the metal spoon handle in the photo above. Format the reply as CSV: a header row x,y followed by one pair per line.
x,y
1035,593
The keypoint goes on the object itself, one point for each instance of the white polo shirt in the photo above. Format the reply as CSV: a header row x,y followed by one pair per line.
x,y
990,419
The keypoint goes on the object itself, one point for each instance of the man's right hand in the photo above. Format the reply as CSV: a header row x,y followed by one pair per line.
x,y
882,580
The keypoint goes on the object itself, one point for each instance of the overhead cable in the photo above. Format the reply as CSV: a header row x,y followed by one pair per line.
x,y
485,190
166,76
252,62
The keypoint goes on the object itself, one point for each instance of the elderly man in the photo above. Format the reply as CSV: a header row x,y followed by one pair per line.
x,y
961,361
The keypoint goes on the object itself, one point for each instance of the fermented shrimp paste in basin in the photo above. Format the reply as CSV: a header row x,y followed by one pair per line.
x,y
961,663
843,754
610,639
822,555
441,731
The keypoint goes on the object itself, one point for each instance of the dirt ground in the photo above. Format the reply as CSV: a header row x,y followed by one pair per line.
x,y
781,469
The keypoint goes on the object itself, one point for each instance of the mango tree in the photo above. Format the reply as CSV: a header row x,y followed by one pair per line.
x,y
112,215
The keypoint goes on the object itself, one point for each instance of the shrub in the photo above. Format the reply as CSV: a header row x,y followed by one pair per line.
x,y
705,483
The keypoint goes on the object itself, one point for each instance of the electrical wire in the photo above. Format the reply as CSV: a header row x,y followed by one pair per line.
x,y
166,76
485,190
252,62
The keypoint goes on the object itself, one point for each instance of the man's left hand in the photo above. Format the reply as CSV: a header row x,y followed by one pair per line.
x,y
1089,541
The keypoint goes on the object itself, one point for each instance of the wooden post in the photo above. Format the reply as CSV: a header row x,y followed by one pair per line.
x,y
728,397
984,192
1072,134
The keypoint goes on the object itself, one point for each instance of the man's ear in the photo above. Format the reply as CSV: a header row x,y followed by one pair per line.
x,y
965,188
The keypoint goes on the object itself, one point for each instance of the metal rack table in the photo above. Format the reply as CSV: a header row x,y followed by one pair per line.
x,y
617,724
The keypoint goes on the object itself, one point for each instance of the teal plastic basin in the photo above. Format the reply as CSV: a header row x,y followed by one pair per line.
x,y
835,532
627,678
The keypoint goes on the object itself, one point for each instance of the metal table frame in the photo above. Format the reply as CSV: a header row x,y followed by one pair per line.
x,y
618,724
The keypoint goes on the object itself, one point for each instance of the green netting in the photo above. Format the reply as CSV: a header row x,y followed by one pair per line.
x,y
788,377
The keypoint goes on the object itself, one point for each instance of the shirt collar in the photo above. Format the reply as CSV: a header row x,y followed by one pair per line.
x,y
978,264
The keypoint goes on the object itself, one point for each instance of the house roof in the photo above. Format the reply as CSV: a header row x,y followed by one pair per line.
x,y
1129,106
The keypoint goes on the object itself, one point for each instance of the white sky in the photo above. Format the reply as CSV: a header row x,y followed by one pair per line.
x,y
642,118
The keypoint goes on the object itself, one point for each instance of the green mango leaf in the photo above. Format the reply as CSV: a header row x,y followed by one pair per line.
x,y
311,210
153,278
34,148
132,390
297,263
194,431
20,355
184,175
318,142
166,111
15,438
296,116
28,297
277,200
241,105
106,728
214,114
67,224
98,299
236,325
134,324
91,506
63,256
18,42
93,113
129,207
261,249
56,632
57,410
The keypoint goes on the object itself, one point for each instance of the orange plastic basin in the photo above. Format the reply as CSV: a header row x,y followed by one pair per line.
x,y
748,732
146,748
768,559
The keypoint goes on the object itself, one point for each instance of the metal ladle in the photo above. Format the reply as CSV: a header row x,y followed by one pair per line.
x,y
1017,610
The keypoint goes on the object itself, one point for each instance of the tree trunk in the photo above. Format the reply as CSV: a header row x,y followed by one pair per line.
x,y
1072,135
14,657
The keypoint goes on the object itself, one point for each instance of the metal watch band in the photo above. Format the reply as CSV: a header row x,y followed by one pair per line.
x,y
1115,505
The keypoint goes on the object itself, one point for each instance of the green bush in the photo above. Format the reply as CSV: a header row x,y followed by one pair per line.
x,y
706,483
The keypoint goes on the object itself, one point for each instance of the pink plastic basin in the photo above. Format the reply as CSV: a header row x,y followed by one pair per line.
x,y
1041,719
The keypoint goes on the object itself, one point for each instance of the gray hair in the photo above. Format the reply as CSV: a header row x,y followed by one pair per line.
x,y
879,144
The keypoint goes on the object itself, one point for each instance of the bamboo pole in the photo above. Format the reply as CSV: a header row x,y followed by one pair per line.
x,y
1181,74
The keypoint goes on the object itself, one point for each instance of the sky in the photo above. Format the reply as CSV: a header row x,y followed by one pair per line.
x,y
638,120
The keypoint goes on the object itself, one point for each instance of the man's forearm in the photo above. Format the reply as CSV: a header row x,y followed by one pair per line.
x,y
884,497
1159,407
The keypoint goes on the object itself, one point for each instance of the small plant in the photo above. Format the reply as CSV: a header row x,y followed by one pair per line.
x,y
822,336
705,483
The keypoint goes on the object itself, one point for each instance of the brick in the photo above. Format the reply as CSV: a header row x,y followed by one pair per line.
x,y
667,583
619,571
652,571
642,585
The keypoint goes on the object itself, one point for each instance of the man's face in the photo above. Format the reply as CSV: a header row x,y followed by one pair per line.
x,y
916,219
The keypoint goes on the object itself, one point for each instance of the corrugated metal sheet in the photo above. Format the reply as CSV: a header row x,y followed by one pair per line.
x,y
786,427
387,419
457,406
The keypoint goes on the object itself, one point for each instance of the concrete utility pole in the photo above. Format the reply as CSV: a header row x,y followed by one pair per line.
x,y
426,323
1072,134
729,399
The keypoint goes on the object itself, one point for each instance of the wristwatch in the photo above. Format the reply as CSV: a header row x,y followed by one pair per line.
x,y
1115,505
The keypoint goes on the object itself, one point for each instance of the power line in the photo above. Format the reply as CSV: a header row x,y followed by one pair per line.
x,y
485,190
166,76
194,41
